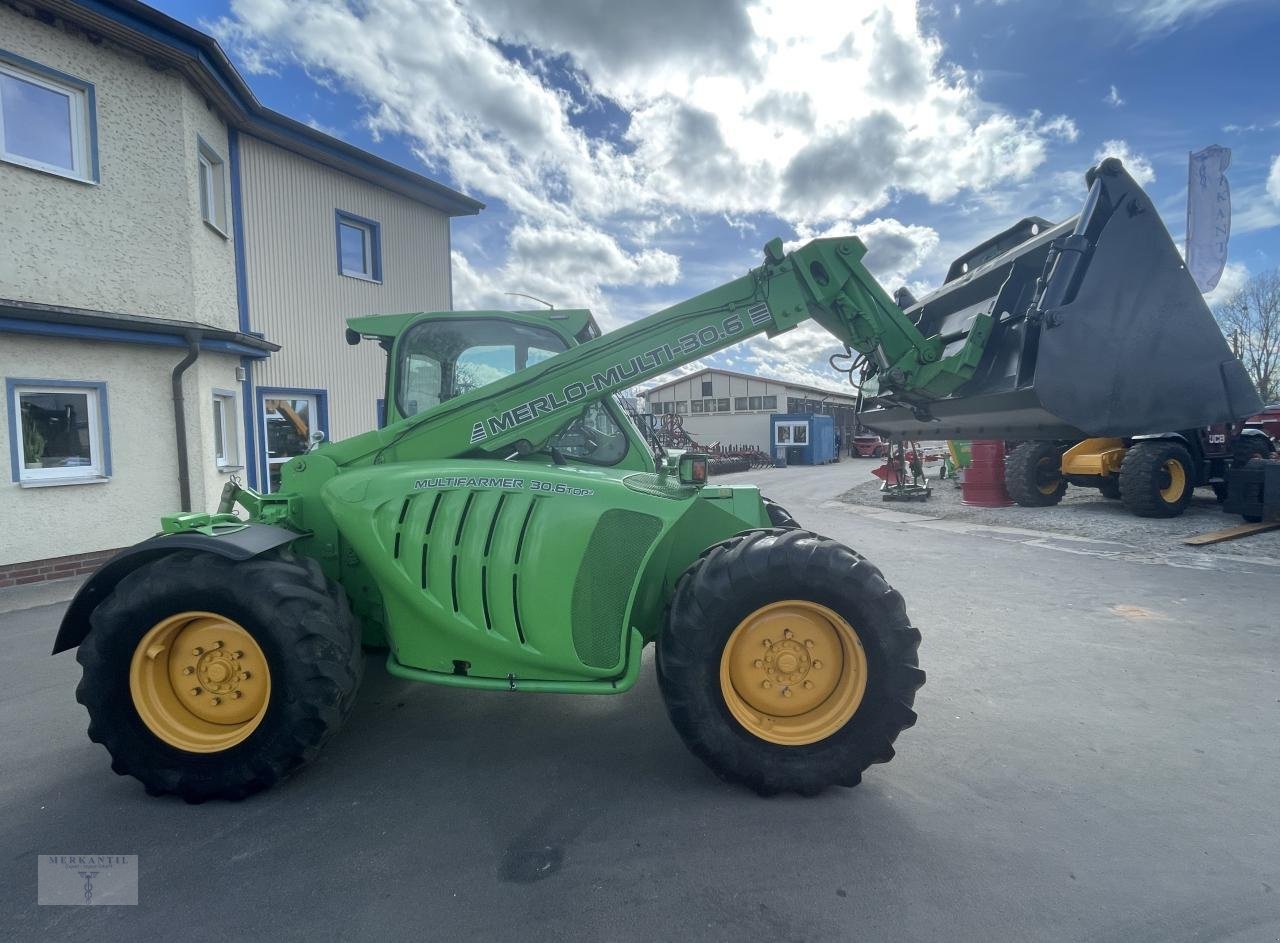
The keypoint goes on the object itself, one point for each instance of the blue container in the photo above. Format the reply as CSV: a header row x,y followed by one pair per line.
x,y
806,438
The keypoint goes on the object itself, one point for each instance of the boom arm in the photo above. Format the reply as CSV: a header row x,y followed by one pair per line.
x,y
825,279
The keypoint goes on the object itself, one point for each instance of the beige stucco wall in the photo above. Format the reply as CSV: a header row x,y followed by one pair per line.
x,y
135,242
63,519
298,298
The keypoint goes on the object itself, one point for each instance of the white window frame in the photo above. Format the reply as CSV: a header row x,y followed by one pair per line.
x,y
224,413
211,186
80,96
95,405
366,232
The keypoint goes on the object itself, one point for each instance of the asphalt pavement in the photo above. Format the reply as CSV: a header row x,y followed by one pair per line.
x,y
1096,759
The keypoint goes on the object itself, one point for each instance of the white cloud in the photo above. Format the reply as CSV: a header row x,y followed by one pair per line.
x,y
1156,17
1234,275
1113,98
1273,179
721,101
1139,167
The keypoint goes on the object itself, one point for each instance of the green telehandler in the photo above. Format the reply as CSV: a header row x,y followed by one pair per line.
x,y
510,529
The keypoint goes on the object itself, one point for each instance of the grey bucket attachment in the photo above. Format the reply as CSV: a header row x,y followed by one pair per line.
x,y
1100,331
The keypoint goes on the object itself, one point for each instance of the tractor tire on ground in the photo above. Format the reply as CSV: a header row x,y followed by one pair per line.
x,y
1033,474
1157,479
778,515
1110,488
1246,448
788,664
273,676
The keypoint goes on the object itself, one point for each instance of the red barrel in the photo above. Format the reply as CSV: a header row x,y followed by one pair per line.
x,y
982,485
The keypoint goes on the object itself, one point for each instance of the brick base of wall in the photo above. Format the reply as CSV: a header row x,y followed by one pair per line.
x,y
55,568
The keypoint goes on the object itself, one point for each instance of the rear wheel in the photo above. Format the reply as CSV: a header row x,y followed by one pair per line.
x,y
1033,474
1157,479
1110,488
788,663
212,678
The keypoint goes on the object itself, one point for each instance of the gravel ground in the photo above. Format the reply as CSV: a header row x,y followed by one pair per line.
x,y
1084,513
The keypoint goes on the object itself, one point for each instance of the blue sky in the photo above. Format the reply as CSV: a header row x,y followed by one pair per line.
x,y
633,155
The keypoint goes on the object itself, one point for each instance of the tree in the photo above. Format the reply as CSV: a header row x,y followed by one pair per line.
x,y
1250,319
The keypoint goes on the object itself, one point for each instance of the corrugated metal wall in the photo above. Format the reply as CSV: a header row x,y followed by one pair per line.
x,y
296,295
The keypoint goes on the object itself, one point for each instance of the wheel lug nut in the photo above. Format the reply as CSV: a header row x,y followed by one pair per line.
x,y
197,651
216,701
195,691
817,664
786,692
758,663
766,685
786,633
188,670
768,643
808,643
236,695
808,684
217,644
237,654
245,676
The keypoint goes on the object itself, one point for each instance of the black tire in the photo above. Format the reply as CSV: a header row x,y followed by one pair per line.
x,y
778,515
1144,477
306,632
1033,474
1110,488
1246,448
733,579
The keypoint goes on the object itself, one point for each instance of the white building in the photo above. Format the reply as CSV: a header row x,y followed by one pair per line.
x,y
729,408
163,235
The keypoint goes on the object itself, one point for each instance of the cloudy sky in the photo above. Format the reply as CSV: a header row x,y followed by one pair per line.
x,y
632,154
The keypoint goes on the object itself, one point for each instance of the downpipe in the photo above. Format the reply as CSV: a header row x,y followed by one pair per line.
x,y
180,418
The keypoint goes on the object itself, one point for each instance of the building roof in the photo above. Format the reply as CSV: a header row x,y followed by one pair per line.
x,y
201,60
753,376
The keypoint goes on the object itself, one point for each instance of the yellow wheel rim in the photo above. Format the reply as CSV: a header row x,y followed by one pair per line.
x,y
793,672
199,682
1047,467
1177,481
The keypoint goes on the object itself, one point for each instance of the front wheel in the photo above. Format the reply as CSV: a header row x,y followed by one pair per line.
x,y
1157,479
1033,475
787,662
211,678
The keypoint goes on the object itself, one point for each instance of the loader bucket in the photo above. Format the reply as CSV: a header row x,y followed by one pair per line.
x,y
1099,331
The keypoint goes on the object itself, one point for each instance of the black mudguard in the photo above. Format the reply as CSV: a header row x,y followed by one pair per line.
x,y
250,541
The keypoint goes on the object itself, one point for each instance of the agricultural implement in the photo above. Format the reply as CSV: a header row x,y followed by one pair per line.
x,y
522,535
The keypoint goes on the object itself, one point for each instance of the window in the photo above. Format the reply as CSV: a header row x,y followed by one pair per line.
x,y
446,357
697,405
682,407
770,402
706,387
59,430
359,247
722,404
213,186
288,419
740,403
46,120
593,436
226,451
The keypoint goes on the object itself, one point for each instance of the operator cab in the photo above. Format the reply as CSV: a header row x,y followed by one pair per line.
x,y
442,355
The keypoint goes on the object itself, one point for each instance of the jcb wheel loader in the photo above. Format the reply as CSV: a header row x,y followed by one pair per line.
x,y
509,529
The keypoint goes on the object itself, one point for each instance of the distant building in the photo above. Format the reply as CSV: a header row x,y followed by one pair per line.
x,y
162,230
731,408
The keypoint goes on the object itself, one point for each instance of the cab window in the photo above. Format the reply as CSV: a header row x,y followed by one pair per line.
x,y
441,359
592,436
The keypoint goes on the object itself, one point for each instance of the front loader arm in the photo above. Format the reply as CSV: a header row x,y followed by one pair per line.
x,y
824,279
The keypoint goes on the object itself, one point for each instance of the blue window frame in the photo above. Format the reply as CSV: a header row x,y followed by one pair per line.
x,y
58,431
48,119
359,243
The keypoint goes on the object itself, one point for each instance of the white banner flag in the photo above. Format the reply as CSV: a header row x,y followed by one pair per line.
x,y
1208,215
